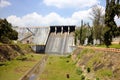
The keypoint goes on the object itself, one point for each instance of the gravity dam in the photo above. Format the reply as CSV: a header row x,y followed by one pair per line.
x,y
53,39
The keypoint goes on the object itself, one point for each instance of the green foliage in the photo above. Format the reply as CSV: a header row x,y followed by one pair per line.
x,y
82,77
6,31
69,56
104,72
98,22
107,38
111,46
82,33
97,79
78,71
88,69
77,36
22,58
112,9
57,68
85,51
5,39
15,69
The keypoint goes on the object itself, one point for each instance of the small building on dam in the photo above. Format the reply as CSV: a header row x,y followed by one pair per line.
x,y
53,39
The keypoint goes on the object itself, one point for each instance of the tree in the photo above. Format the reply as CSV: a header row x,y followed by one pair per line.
x,y
112,9
77,35
85,31
6,31
97,18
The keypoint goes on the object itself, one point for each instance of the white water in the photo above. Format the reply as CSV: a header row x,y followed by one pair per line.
x,y
60,44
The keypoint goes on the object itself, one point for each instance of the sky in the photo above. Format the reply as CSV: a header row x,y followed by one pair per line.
x,y
25,13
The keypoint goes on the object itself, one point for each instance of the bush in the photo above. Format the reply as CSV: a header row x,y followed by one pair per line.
x,y
6,32
97,79
82,77
69,56
88,69
22,58
5,40
79,71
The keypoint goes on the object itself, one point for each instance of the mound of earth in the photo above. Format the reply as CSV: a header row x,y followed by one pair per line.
x,y
9,52
98,65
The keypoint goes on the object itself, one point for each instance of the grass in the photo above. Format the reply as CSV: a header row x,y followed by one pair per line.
x,y
13,70
111,46
95,63
60,68
104,72
84,52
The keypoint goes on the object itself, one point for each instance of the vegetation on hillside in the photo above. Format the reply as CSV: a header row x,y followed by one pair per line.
x,y
97,64
6,32
9,52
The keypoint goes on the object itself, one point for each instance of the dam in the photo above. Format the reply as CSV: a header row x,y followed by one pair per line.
x,y
51,40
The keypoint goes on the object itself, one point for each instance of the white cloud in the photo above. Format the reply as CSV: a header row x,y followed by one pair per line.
x,y
35,19
117,20
71,3
4,3
16,21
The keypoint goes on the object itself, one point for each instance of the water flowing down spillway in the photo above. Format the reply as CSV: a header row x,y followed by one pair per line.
x,y
59,43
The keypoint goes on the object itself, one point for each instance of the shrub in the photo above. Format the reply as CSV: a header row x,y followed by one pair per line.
x,y
82,77
69,56
97,79
78,71
88,69
5,40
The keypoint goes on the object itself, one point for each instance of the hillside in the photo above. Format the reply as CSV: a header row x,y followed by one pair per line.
x,y
97,65
9,52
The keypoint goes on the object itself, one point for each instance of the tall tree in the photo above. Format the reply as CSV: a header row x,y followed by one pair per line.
x,y
112,9
97,18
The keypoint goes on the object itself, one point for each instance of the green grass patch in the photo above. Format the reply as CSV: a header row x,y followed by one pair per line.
x,y
14,69
79,71
60,68
104,73
111,46
95,59
85,51
23,46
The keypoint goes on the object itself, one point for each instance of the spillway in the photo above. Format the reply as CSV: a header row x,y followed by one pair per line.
x,y
53,39
59,43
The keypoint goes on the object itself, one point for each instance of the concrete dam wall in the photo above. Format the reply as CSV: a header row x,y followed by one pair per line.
x,y
51,40
61,40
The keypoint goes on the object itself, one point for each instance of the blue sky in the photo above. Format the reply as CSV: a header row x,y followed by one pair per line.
x,y
47,12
